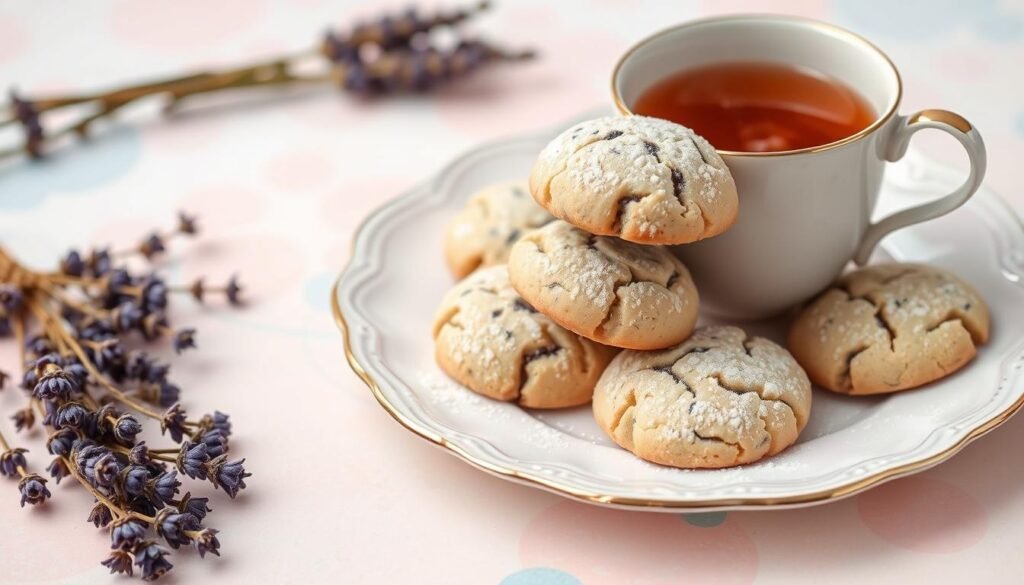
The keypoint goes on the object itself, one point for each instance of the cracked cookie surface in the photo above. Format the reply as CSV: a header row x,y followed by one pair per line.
x,y
642,179
889,327
492,341
605,289
492,220
718,399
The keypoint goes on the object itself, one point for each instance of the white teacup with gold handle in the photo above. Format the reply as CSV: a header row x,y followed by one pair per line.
x,y
804,214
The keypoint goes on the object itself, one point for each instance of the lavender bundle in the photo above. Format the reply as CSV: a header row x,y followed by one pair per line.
x,y
395,53
80,330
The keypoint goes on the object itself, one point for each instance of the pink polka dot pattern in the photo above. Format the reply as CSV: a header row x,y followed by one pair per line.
x,y
182,134
299,170
223,207
268,265
346,206
963,66
175,25
608,547
924,515
26,559
13,38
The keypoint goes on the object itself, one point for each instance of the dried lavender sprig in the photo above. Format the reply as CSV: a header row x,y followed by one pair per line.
x,y
80,347
419,70
390,33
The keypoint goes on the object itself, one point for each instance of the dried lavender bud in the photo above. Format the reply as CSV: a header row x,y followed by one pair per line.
x,y
217,421
187,224
70,415
172,527
169,394
233,291
173,422
134,480
150,558
33,490
119,561
152,245
110,353
24,418
154,295
127,428
28,117
117,279
106,470
139,454
61,442
206,542
99,262
54,383
197,290
11,299
164,487
184,339
230,476
72,264
216,442
58,469
5,328
76,371
88,456
100,515
198,507
127,316
192,460
11,460
126,533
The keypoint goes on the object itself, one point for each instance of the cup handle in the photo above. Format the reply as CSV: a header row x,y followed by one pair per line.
x,y
960,129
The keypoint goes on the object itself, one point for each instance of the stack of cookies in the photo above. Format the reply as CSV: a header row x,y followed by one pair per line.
x,y
570,295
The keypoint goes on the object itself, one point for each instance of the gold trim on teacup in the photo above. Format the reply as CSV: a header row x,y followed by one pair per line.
x,y
829,28
540,481
943,117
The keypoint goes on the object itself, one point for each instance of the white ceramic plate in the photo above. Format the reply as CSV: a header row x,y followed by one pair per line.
x,y
386,297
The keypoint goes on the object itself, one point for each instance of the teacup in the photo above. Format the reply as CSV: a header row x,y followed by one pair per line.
x,y
804,214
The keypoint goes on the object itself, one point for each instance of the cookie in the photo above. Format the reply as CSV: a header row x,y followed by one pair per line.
x,y
606,289
889,327
645,180
718,399
492,341
484,231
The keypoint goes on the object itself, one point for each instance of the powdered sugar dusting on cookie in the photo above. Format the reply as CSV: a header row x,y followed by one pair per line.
x,y
718,399
663,169
605,288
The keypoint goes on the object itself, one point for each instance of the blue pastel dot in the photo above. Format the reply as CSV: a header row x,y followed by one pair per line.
x,y
318,291
705,519
70,169
540,576
1020,123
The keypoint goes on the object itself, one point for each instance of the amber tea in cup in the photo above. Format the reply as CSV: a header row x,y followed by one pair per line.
x,y
758,106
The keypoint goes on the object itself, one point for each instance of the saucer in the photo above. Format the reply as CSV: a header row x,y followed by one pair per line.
x,y
384,302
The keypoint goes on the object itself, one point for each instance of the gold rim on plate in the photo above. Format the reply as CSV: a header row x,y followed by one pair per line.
x,y
596,498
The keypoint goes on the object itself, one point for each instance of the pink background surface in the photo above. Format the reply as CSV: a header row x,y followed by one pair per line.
x,y
340,493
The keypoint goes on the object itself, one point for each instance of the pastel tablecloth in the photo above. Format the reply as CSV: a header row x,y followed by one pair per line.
x,y
342,494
